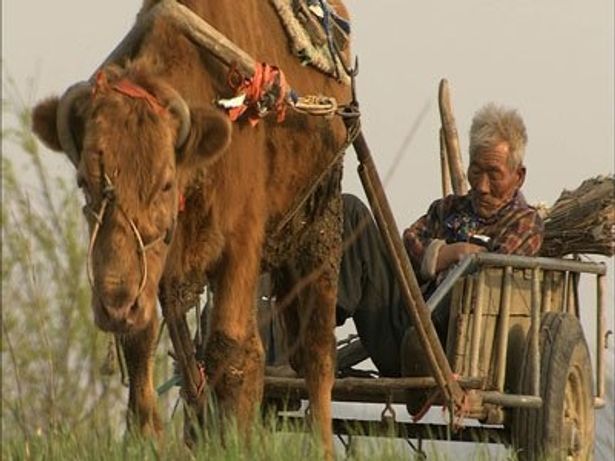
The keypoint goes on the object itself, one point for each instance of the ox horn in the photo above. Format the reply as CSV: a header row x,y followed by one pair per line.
x,y
180,109
65,106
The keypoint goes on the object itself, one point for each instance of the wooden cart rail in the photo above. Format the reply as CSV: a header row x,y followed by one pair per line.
x,y
366,390
544,274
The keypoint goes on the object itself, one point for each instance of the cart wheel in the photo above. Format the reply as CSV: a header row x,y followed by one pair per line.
x,y
563,429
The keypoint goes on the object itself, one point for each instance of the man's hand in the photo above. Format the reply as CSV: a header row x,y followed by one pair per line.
x,y
452,253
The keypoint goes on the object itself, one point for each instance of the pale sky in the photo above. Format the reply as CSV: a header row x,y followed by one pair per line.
x,y
553,60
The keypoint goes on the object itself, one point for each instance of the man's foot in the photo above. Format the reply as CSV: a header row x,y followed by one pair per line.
x,y
413,365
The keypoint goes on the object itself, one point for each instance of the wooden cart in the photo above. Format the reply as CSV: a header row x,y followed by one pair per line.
x,y
517,348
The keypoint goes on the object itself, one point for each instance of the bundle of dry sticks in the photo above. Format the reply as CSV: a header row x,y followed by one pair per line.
x,y
582,220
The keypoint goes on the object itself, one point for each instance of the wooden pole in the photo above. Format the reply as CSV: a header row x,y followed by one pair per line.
x,y
409,287
444,167
451,137
198,30
359,389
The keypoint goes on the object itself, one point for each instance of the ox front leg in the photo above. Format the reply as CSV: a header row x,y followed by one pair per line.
x,y
235,371
138,351
234,358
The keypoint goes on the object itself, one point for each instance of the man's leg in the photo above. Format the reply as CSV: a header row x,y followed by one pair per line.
x,y
368,290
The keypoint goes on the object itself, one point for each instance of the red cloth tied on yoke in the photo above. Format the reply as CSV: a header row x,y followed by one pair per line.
x,y
267,90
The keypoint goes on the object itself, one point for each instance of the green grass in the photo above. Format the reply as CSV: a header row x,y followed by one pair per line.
x,y
267,441
51,352
102,444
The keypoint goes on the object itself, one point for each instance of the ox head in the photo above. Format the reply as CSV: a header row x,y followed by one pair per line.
x,y
128,137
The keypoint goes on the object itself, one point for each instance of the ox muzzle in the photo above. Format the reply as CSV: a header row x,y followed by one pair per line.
x,y
120,305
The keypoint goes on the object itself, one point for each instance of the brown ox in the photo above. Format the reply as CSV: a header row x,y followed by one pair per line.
x,y
136,156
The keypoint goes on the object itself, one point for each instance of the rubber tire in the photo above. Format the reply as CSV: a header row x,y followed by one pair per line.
x,y
565,365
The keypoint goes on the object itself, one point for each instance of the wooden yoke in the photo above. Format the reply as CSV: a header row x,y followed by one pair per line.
x,y
198,30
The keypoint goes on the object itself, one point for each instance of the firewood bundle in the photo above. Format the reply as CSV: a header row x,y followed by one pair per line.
x,y
582,220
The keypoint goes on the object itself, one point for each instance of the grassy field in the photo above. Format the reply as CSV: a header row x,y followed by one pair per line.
x,y
267,441
102,443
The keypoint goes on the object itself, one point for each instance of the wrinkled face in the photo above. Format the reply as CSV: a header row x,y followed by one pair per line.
x,y
127,173
493,181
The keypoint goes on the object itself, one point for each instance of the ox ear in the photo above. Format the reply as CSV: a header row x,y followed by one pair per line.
x,y
60,130
210,135
44,116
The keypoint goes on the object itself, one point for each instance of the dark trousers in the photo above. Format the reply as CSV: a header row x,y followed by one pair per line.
x,y
368,290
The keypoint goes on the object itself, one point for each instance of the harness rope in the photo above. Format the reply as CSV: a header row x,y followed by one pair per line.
x,y
131,90
109,197
268,91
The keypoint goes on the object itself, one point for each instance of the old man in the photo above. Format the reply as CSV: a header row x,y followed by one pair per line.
x,y
493,216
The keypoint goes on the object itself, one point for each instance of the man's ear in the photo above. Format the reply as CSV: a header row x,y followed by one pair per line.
x,y
210,135
44,125
520,176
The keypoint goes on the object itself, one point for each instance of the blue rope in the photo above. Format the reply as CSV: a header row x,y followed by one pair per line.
x,y
343,23
328,14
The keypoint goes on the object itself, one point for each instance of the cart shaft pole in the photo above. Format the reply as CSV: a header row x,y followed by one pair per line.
x,y
411,293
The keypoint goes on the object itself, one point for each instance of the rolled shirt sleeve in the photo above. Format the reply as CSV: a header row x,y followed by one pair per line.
x,y
423,241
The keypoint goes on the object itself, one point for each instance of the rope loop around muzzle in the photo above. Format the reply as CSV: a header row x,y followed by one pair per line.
x,y
109,196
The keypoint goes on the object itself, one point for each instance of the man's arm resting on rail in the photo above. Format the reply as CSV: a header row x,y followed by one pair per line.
x,y
430,255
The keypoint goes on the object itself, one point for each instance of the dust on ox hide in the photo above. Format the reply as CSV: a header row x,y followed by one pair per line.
x,y
175,196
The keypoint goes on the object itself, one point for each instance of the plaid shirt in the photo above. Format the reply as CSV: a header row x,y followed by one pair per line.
x,y
515,229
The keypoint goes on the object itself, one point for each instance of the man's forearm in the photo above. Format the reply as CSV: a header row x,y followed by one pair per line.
x,y
453,253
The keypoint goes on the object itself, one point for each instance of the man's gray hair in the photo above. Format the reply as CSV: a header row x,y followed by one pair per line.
x,y
493,124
